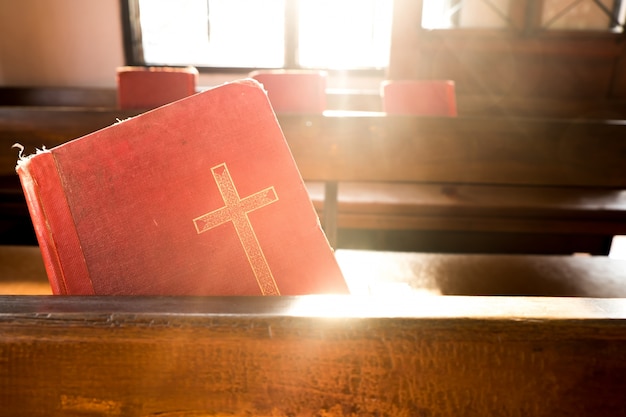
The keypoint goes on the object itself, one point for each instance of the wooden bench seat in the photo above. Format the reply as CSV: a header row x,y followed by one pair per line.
x,y
401,273
377,272
377,205
491,217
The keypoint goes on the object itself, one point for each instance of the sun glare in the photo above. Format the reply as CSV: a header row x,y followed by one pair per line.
x,y
344,34
219,33
336,34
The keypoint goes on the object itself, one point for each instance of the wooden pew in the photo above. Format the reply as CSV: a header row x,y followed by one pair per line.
x,y
392,348
40,96
553,182
401,354
469,105
400,273
312,356
540,186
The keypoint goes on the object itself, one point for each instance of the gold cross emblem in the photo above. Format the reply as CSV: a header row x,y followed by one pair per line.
x,y
236,210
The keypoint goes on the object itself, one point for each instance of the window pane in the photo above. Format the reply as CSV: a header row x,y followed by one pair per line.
x,y
218,33
582,15
342,34
450,14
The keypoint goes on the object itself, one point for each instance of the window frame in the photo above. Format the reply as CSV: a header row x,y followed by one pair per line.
x,y
133,49
525,16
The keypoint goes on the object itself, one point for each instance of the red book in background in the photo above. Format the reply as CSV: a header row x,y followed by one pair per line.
x,y
198,197
150,87
294,91
419,97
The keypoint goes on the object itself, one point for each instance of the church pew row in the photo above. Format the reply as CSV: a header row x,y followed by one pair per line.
x,y
378,272
312,356
557,184
559,179
349,99
391,348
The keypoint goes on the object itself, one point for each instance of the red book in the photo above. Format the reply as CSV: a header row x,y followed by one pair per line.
x,y
198,197
419,97
150,87
294,91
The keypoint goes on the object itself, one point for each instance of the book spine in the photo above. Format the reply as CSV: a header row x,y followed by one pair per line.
x,y
54,226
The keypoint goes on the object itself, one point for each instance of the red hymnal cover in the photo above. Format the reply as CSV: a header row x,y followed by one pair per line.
x,y
150,87
198,197
419,97
294,91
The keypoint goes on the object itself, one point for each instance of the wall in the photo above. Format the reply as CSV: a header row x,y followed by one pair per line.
x,y
60,42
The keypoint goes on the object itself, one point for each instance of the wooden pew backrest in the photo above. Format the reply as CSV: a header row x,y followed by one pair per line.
x,y
287,356
458,150
556,169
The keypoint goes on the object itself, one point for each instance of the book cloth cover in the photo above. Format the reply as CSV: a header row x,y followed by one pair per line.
x,y
198,197
147,88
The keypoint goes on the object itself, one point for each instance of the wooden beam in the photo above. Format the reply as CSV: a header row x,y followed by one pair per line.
x,y
395,148
402,273
459,150
326,356
58,96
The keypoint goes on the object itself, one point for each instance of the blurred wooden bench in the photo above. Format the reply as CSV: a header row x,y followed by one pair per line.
x,y
421,184
542,186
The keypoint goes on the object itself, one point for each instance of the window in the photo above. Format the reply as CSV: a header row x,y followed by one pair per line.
x,y
589,15
449,14
583,15
247,34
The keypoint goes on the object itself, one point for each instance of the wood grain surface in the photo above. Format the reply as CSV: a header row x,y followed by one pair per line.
x,y
312,356
344,146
